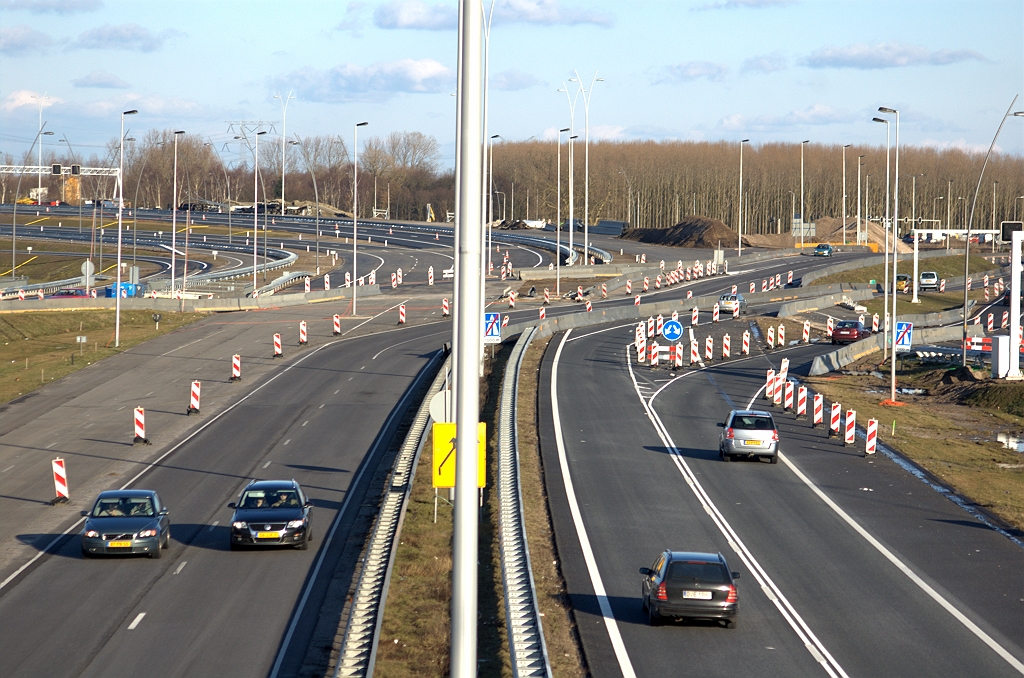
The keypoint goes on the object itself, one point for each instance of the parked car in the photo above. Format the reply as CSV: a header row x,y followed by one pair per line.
x,y
928,280
70,292
690,585
126,522
823,250
728,303
271,513
750,434
903,283
849,331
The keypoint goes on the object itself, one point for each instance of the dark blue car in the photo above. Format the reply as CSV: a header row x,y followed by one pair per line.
x,y
126,522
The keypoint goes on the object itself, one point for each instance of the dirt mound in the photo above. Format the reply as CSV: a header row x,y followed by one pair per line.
x,y
772,240
699,232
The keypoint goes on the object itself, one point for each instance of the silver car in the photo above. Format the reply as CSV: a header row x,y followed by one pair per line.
x,y
728,303
929,280
750,434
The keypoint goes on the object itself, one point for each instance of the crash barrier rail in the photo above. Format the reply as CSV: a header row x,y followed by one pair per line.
x,y
282,282
358,651
522,615
850,353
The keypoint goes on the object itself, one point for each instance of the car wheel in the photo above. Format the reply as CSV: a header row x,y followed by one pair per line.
x,y
167,540
774,459
653,618
725,457
85,553
304,545
155,553
643,602
234,547
730,623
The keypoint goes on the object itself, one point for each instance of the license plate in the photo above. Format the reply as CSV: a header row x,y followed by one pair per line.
x,y
697,595
268,535
753,443
119,544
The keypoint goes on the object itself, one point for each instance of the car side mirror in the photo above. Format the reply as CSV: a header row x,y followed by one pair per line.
x,y
646,571
308,504
735,575
164,512
83,513
232,505
721,424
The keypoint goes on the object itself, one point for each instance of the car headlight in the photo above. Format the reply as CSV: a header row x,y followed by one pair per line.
x,y
146,533
92,533
296,523
238,525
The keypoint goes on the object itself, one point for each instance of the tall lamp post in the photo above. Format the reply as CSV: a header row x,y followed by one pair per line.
x,y
803,144
227,185
39,188
844,193
284,138
895,255
860,165
355,209
174,211
739,219
120,210
316,195
571,99
558,220
255,207
586,161
490,204
885,237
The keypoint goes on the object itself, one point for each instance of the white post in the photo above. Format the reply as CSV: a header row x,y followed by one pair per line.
x,y
895,256
355,210
1015,270
844,192
915,300
174,215
468,326
120,209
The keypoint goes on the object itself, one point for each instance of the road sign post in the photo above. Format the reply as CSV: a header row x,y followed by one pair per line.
x,y
672,330
492,328
904,336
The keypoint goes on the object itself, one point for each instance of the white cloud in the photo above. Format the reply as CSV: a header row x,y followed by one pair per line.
x,y
743,4
26,97
416,14
692,70
353,21
886,55
101,79
129,37
52,6
22,40
818,114
512,81
765,63
352,82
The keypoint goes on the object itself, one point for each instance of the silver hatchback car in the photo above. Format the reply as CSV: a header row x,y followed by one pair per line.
x,y
749,433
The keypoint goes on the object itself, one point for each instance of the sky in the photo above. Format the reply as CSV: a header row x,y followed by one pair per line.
x,y
767,70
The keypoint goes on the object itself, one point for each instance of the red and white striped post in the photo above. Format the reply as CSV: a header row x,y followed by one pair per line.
x,y
771,337
590,306
689,294
769,385
348,278
1006,320
579,293
985,280
782,335
445,311
511,299
678,362
193,400
629,287
337,324
394,280
942,286
399,276
788,404
647,283
641,351
401,314
764,285
655,351
752,288
734,289
874,324
694,352
651,328
140,427
636,300
305,284
604,291
657,283
833,426
236,367
675,316
830,325
725,347
968,283
303,336
991,321
40,296
542,313
851,427
736,310
801,402
745,349
819,410
547,296
60,482
21,295
430,275
806,336
872,437
986,295
709,349
659,324
327,281
778,280
779,381
714,313
277,346
694,316
789,278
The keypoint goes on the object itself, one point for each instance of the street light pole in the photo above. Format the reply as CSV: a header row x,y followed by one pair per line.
x,y
558,220
859,166
174,212
844,193
284,138
739,220
895,254
39,188
885,237
255,208
490,204
572,126
355,210
586,164
120,210
802,145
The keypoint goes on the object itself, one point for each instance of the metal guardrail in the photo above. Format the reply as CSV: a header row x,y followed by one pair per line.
x,y
358,650
282,282
522,617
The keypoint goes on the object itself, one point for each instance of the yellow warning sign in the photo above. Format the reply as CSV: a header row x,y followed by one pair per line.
x,y
443,465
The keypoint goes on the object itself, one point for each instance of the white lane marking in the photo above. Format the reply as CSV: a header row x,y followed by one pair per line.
x,y
135,623
215,523
190,343
339,390
911,575
625,665
607,329
267,464
391,346
374,317
51,445
305,422
321,406
786,609
181,567
7,469
287,441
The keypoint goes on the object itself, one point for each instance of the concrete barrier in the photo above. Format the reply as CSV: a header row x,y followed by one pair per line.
x,y
850,353
800,306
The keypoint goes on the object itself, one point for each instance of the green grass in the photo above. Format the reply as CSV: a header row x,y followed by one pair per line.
x,y
945,267
931,302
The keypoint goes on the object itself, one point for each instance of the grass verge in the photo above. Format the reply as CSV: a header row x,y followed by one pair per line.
x,y
945,267
950,430
39,347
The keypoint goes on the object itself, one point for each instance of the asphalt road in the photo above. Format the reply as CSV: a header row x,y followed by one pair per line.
x,y
818,594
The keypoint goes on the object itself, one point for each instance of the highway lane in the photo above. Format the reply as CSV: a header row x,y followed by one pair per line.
x,y
209,611
869,617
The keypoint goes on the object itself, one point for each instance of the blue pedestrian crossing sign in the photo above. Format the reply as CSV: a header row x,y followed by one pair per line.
x,y
492,328
672,330
904,336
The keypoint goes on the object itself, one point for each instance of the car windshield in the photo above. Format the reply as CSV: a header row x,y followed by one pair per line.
x,y
753,421
726,297
930,276
120,507
709,573
822,247
849,324
270,499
